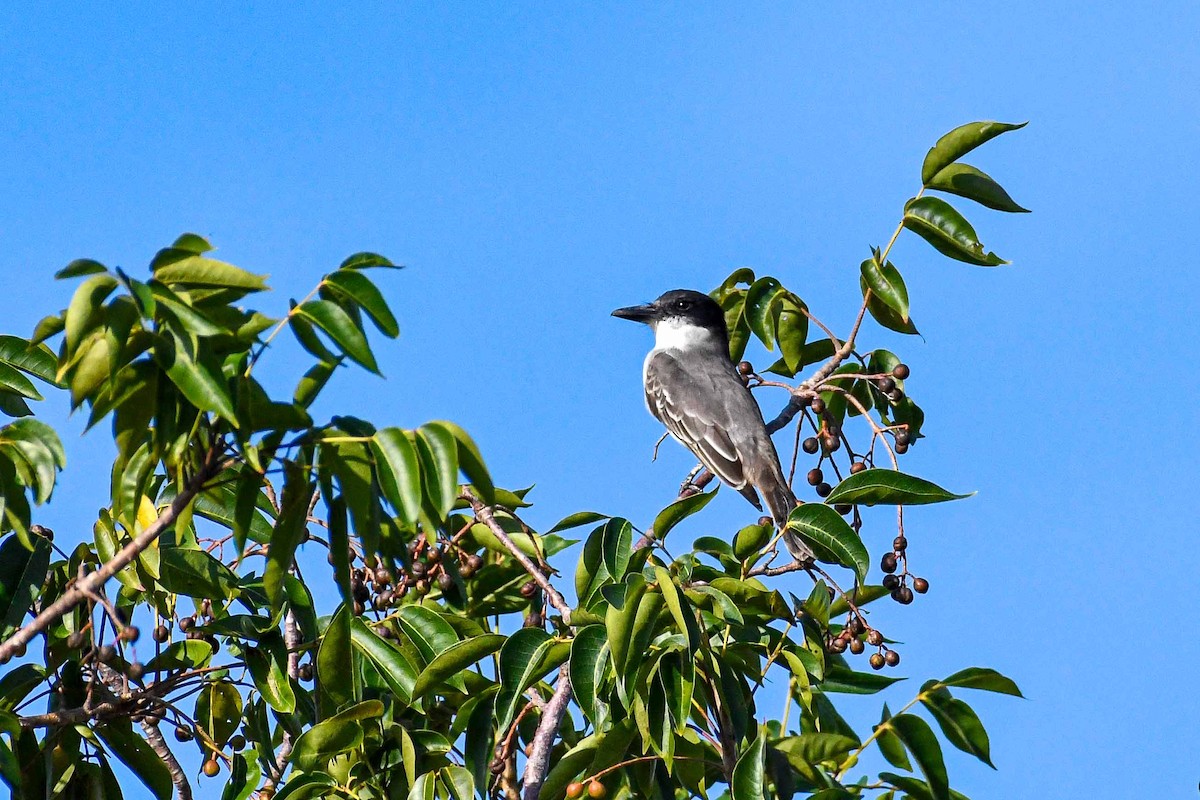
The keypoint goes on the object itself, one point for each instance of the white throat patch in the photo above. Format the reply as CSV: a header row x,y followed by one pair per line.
x,y
675,333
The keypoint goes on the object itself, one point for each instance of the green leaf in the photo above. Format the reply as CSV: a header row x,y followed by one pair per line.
x,y
289,528
399,469
889,745
831,538
885,282
219,710
884,314
617,541
470,461
874,486
198,271
36,359
195,573
959,723
338,734
200,383
367,261
454,660
341,329
960,141
519,659
188,654
22,574
585,654
135,753
813,748
678,511
393,666
936,221
988,680
860,595
758,312
271,679
362,291
791,329
78,268
844,680
83,313
335,664
676,602
577,519
973,184
920,740
749,782
438,451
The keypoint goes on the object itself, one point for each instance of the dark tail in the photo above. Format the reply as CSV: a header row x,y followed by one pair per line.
x,y
780,500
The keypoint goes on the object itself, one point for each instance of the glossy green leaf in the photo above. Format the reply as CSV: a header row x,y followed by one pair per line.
x,y
459,781
519,659
83,313
454,660
200,383
938,223
219,710
366,260
749,781
889,487
959,723
338,734
438,453
288,530
22,573
989,680
921,742
677,604
244,778
78,268
335,665
470,461
362,291
577,519
399,469
960,141
815,747
885,283
271,679
884,314
678,511
397,671
843,680
758,311
974,184
889,745
198,271
617,541
341,329
586,650
861,595
428,630
831,538
188,654
36,359
195,573
791,328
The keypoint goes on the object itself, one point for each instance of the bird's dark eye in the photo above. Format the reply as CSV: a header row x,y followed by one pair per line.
x,y
683,305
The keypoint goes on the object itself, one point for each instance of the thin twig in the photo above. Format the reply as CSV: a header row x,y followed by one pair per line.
x,y
125,556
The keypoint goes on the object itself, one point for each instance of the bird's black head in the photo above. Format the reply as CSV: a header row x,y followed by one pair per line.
x,y
679,307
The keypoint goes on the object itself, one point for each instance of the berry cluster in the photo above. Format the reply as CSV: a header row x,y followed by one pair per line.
x,y
897,585
855,636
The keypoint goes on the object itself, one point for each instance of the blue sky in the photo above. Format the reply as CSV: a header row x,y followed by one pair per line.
x,y
537,166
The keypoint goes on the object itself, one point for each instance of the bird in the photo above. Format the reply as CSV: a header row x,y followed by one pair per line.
x,y
692,387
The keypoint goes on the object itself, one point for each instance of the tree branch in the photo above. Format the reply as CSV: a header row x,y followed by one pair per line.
x,y
82,588
485,515
538,764
183,789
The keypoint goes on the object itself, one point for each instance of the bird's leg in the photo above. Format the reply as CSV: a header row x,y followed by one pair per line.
x,y
661,439
687,487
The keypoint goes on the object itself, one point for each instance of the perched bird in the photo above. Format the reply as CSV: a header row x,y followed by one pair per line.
x,y
692,387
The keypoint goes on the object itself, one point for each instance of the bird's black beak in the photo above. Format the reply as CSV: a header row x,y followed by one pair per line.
x,y
646,313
